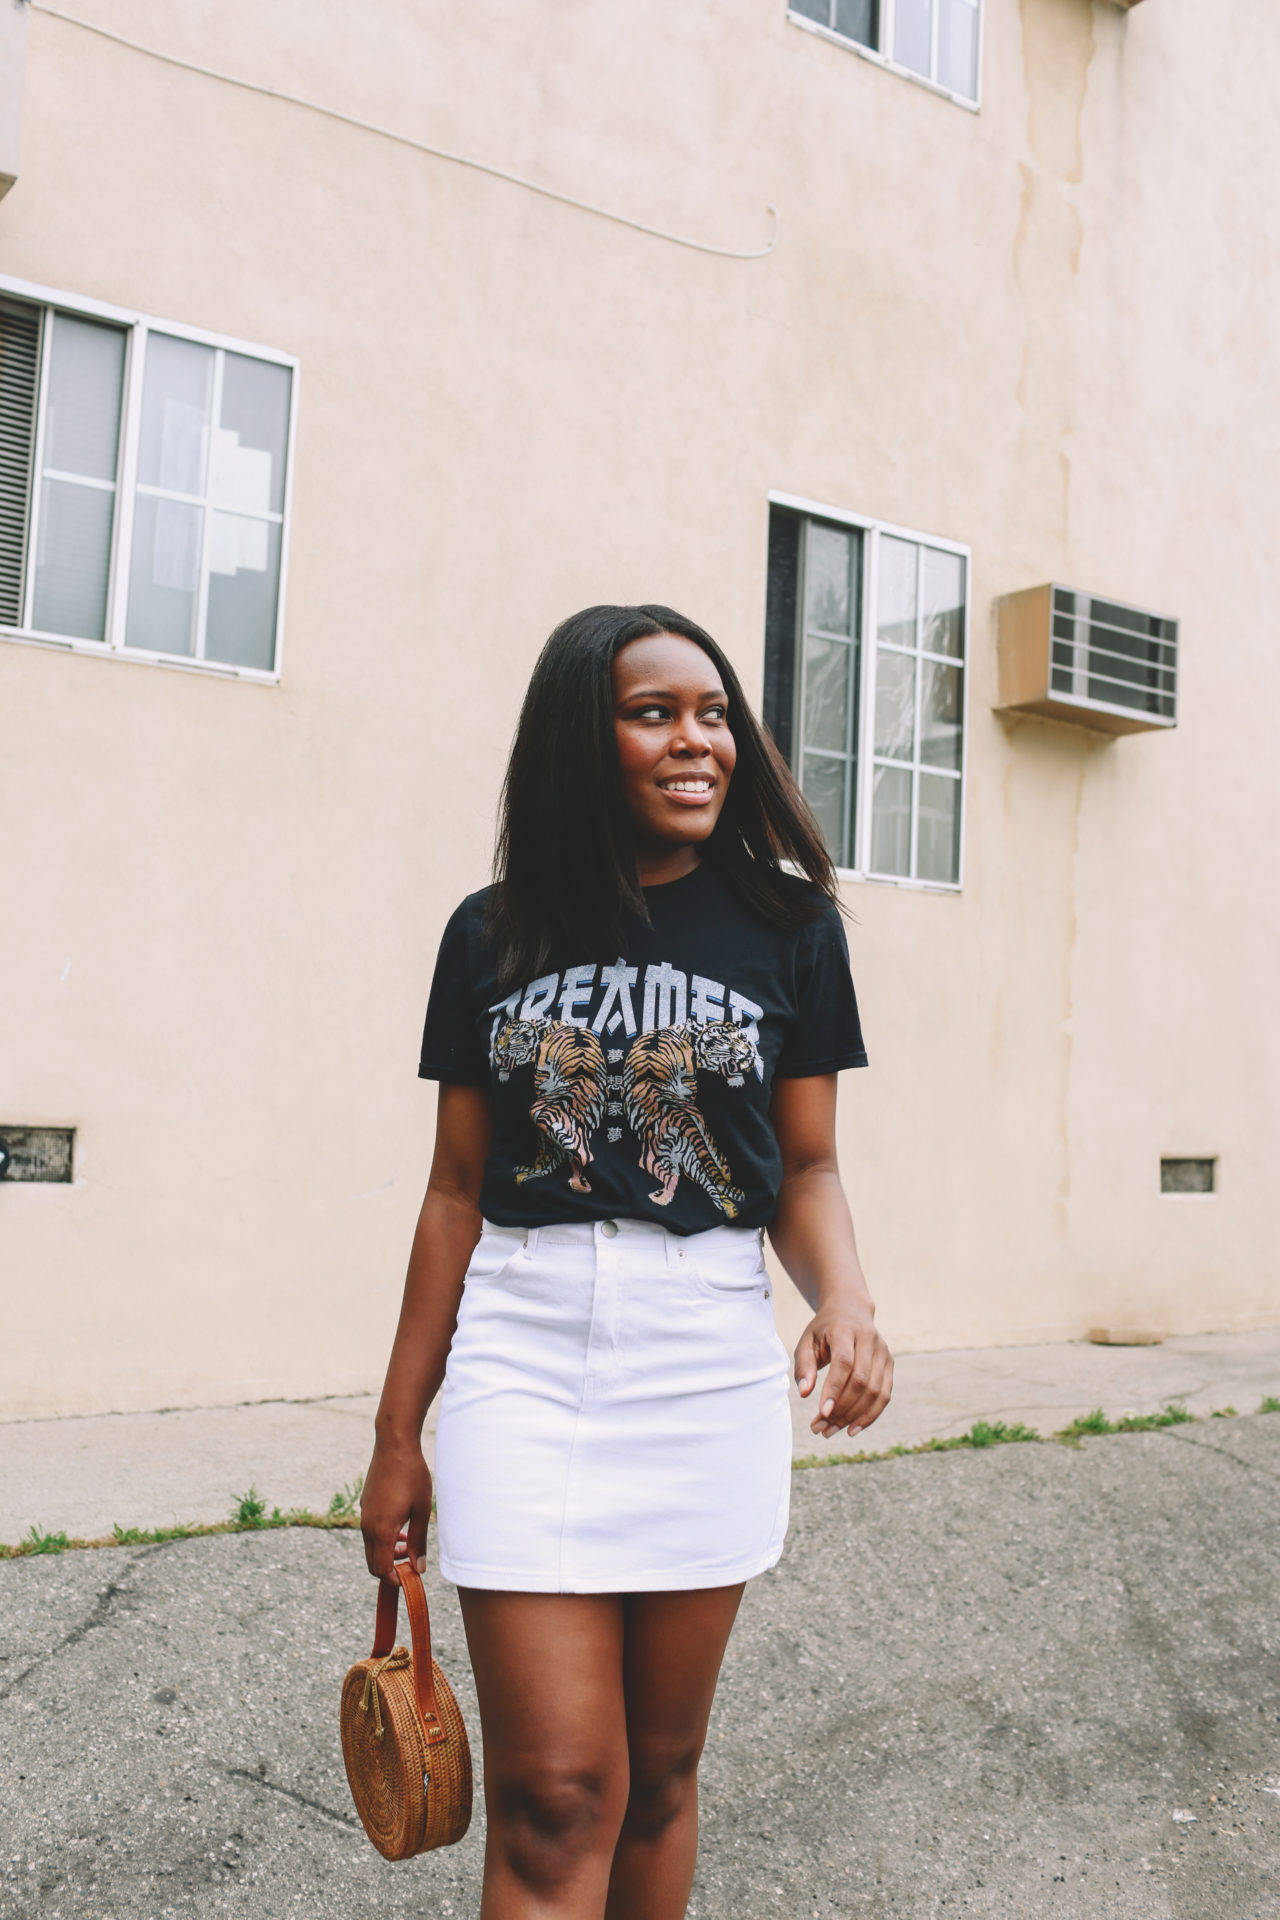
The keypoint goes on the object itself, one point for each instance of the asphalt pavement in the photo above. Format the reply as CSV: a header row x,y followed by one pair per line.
x,y
1037,1680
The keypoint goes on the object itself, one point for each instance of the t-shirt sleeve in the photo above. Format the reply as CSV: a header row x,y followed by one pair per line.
x,y
452,1048
827,1032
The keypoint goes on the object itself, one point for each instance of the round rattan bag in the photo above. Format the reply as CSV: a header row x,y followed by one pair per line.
x,y
407,1755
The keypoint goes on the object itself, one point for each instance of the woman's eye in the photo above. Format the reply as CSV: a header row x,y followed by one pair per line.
x,y
656,711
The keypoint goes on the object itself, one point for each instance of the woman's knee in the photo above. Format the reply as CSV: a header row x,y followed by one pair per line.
x,y
663,1784
550,1818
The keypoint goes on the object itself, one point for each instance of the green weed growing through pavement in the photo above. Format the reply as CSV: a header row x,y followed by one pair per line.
x,y
345,1504
40,1542
1175,1415
996,1433
249,1510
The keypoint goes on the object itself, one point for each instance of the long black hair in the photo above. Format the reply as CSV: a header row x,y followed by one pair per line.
x,y
565,868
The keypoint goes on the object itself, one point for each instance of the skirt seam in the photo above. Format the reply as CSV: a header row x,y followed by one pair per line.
x,y
650,1579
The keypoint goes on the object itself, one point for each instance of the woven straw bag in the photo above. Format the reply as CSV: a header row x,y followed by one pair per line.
x,y
407,1755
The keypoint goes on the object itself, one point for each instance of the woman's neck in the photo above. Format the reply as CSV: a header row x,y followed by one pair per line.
x,y
658,865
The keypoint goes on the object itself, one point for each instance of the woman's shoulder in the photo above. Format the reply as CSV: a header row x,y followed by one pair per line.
x,y
806,905
472,910
465,934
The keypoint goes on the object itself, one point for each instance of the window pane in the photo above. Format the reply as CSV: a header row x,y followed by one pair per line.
x,y
911,31
895,704
938,844
958,47
828,600
942,627
897,591
164,578
940,714
819,10
891,820
86,377
824,785
247,469
826,693
856,19
175,414
73,553
244,574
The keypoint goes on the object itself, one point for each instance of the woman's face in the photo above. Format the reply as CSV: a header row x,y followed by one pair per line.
x,y
675,750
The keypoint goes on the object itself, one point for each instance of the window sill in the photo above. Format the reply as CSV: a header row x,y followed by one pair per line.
x,y
99,650
897,880
881,60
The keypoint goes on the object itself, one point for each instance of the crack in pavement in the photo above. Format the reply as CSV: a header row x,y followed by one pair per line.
x,y
103,1608
1209,1446
290,1793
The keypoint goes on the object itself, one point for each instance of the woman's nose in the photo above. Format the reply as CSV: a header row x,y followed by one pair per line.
x,y
690,738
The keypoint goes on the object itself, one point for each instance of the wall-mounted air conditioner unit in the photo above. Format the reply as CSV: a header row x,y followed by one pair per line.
x,y
1074,656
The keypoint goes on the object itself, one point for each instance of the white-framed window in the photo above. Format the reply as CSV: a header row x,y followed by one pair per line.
x,y
937,41
144,485
865,658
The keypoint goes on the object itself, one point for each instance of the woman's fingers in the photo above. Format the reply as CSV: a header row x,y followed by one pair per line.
x,y
858,1386
380,1546
859,1373
874,1398
417,1532
871,1402
394,1508
835,1388
806,1362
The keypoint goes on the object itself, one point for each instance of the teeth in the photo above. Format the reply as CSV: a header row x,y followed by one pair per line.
x,y
687,786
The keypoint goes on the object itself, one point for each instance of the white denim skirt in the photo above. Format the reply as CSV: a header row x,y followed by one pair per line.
x,y
614,1416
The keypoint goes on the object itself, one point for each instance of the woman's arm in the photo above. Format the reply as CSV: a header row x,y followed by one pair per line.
x,y
812,1232
397,1487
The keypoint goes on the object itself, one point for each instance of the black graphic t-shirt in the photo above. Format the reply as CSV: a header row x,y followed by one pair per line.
x,y
641,1089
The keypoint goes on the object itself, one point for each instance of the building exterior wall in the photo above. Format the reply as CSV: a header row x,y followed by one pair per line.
x,y
1043,329
13,67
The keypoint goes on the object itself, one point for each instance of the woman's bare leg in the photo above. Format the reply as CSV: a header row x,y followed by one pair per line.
x,y
549,1676
673,1644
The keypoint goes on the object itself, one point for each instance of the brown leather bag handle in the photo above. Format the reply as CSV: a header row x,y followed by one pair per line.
x,y
409,1581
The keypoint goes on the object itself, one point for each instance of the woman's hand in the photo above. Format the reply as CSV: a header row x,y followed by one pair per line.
x,y
396,1499
860,1380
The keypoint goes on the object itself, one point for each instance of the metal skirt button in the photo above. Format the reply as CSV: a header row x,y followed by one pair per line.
x,y
609,1228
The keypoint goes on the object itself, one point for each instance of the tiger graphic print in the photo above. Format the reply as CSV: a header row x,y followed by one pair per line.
x,y
660,1096
568,1091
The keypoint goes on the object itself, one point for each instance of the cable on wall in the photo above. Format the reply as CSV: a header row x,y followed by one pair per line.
x,y
405,140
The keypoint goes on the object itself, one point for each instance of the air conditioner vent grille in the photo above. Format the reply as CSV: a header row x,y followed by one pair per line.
x,y
1113,654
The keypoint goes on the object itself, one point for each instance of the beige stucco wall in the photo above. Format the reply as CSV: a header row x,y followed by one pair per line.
x,y
13,67
1044,329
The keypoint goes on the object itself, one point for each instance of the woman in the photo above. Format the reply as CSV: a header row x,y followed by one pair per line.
x,y
637,1032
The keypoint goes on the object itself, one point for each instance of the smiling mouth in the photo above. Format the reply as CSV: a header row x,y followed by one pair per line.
x,y
693,786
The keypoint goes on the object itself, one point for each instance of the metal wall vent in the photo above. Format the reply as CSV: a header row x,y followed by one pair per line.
x,y
1069,655
36,1153
1188,1176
